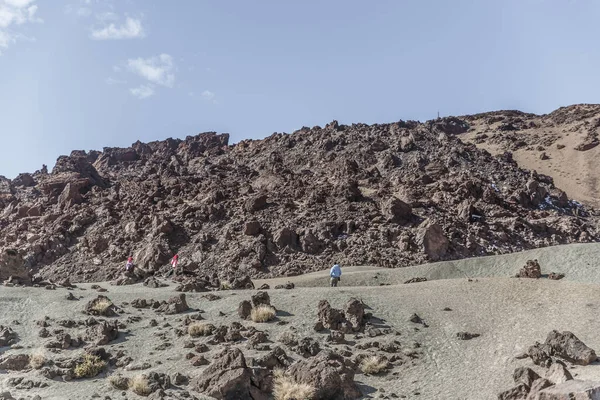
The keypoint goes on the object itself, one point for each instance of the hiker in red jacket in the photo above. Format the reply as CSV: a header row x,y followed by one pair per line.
x,y
129,266
174,262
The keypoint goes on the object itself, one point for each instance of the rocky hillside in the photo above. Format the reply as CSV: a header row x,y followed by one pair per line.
x,y
385,194
562,144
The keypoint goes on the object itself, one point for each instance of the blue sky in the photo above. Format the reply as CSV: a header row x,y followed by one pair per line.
x,y
84,74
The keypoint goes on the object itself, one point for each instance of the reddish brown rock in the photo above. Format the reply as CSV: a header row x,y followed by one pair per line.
x,y
531,269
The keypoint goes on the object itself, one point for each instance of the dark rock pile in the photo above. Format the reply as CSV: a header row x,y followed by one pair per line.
x,y
384,194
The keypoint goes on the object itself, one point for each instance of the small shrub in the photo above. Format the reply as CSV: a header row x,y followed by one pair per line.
x,y
373,365
103,307
119,382
286,388
288,338
90,367
262,313
139,385
37,360
200,329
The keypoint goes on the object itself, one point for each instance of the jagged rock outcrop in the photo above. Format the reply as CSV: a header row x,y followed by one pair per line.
x,y
328,374
229,377
384,194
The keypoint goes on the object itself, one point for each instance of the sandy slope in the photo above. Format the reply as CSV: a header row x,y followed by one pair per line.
x,y
573,171
577,261
510,314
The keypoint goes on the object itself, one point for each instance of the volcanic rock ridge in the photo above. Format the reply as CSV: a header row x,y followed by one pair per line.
x,y
385,194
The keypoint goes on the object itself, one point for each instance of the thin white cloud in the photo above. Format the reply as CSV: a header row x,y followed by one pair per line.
x,y
157,70
131,29
83,12
142,92
107,16
208,95
18,3
14,13
113,81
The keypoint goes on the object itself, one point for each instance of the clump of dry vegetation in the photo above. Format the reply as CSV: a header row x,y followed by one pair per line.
x,y
288,338
373,365
139,385
196,329
103,307
119,382
37,360
89,367
262,313
286,388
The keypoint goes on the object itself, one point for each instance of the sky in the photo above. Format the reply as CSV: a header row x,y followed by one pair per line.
x,y
88,74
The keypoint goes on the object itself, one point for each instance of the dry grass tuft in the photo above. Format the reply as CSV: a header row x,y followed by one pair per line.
x,y
288,338
286,388
139,385
37,360
262,313
373,365
119,382
200,329
90,367
103,307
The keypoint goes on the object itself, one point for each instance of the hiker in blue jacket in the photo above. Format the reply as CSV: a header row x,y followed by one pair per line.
x,y
335,274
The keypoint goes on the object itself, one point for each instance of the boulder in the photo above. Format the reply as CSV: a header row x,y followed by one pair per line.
x,y
152,282
275,359
193,284
540,354
252,228
568,346
537,386
244,309
256,203
519,392
307,347
175,305
228,377
432,240
571,390
355,314
558,373
102,333
261,298
330,317
70,195
286,237
531,269
328,374
13,265
524,375
242,282
395,210
14,362
8,337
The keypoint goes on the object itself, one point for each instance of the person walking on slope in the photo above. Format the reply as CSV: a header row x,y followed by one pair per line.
x,y
174,263
335,273
129,266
